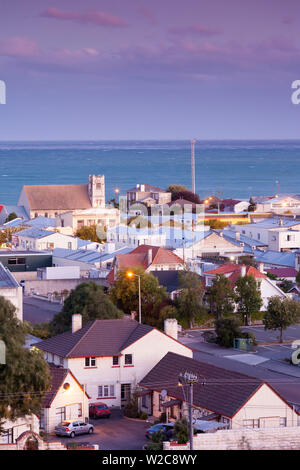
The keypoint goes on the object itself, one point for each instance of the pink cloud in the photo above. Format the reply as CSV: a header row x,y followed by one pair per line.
x,y
198,29
96,17
19,47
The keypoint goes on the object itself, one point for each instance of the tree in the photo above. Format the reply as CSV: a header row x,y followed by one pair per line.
x,y
248,296
221,296
89,299
190,299
285,285
11,216
215,224
252,206
88,233
25,377
182,192
227,329
125,295
181,430
281,314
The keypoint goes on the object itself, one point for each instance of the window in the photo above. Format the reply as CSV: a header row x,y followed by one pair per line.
x,y
115,360
36,214
128,359
105,391
60,414
16,261
251,423
90,362
7,436
70,245
46,214
79,410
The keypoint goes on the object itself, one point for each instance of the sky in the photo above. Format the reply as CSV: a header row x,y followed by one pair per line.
x,y
135,69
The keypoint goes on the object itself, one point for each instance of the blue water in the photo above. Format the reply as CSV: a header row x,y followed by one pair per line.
x,y
239,168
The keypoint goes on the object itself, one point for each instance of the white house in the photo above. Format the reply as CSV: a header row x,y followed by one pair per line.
x,y
268,288
110,357
12,430
40,239
232,398
277,234
11,290
66,399
280,204
108,217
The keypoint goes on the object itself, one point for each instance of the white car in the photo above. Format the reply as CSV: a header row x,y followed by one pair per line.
x,y
73,428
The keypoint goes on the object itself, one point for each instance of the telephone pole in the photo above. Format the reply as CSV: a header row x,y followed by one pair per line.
x,y
189,379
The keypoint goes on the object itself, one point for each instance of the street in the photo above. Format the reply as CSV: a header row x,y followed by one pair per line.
x,y
115,433
39,311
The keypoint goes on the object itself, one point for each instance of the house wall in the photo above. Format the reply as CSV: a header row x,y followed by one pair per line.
x,y
54,240
70,399
15,296
269,289
283,240
20,425
145,357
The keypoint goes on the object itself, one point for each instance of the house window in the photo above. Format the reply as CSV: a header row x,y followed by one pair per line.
x,y
90,362
46,214
251,423
70,245
115,360
282,422
36,215
7,436
16,261
79,410
128,359
105,391
60,414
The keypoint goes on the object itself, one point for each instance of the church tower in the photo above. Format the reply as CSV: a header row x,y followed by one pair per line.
x,y
96,190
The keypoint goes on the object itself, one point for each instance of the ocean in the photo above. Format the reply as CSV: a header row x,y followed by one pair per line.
x,y
238,169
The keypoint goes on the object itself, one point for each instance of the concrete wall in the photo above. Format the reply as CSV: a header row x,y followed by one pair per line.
x,y
258,439
15,296
20,425
25,276
56,285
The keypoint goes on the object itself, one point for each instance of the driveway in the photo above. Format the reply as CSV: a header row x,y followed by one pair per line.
x,y
115,433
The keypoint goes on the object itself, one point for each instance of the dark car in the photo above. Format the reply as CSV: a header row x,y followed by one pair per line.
x,y
99,410
166,427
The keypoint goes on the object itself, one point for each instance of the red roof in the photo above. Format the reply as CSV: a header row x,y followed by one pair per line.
x,y
235,271
283,272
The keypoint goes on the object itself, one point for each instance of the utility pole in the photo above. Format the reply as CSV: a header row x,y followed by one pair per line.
x,y
219,195
193,166
189,379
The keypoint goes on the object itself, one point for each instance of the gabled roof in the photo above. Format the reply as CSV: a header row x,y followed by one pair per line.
x,y
36,233
234,271
97,338
60,197
279,258
219,390
6,278
139,257
58,376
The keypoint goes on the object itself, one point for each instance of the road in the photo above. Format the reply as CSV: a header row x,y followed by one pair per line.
x,y
39,311
115,433
268,363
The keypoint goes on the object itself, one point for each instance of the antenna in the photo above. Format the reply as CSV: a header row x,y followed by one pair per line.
x,y
193,141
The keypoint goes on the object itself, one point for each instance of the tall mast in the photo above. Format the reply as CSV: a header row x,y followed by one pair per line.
x,y
193,166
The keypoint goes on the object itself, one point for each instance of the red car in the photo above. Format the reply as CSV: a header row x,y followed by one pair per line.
x,y
99,410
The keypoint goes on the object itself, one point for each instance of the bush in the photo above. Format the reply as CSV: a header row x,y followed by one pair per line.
x,y
143,416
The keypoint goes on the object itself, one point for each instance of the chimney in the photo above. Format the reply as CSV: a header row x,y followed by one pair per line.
x,y
149,256
221,234
261,267
171,327
76,322
243,270
133,314
280,222
237,236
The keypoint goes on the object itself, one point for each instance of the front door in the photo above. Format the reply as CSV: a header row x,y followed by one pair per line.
x,y
125,394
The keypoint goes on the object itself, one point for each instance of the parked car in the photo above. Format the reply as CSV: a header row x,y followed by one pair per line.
x,y
166,427
99,410
73,428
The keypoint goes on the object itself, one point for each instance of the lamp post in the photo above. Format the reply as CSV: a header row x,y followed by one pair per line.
x,y
130,274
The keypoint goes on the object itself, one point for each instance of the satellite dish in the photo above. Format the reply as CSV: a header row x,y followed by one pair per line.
x,y
164,393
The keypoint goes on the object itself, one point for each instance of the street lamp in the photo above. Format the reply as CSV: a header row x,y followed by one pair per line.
x,y
130,274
